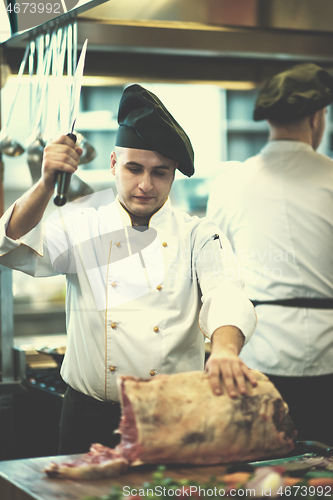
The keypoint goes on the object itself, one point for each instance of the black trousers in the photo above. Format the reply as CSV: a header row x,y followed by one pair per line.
x,y
310,401
85,420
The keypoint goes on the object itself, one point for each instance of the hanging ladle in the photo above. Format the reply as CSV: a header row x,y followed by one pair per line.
x,y
9,146
89,152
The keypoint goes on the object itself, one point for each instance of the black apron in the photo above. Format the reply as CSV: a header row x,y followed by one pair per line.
x,y
299,302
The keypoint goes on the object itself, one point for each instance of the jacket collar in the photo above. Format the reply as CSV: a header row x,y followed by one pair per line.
x,y
156,219
286,146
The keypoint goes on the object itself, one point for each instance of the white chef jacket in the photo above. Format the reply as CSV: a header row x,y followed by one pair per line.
x,y
276,209
138,314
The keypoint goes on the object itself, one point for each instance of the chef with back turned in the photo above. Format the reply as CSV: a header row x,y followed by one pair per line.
x,y
146,284
276,209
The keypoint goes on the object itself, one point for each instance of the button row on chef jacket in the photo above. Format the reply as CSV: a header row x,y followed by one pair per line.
x,y
114,326
151,373
114,284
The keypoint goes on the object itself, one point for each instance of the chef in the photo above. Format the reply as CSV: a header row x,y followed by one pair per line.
x,y
146,284
277,212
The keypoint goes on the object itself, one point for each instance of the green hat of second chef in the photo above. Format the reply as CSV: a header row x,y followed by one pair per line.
x,y
145,123
294,94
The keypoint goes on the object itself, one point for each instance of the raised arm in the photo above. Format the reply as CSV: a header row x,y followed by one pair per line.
x,y
59,155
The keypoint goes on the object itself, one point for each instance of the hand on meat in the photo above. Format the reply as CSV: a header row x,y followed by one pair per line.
x,y
225,364
59,155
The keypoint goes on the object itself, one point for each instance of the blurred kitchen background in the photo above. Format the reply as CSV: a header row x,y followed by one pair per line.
x,y
205,59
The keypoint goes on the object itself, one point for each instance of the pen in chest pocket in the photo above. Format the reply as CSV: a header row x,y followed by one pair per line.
x,y
217,237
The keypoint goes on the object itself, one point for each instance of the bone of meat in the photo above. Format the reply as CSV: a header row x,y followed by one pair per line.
x,y
178,419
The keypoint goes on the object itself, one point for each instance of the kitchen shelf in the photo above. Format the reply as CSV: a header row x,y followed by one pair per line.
x,y
28,309
248,126
96,121
97,128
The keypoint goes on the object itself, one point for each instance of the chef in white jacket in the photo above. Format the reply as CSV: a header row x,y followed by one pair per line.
x,y
276,209
146,284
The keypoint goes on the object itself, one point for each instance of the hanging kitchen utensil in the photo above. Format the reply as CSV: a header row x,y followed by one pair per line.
x,y
39,69
31,84
60,74
78,188
52,127
35,83
35,93
36,141
75,44
50,108
69,71
9,146
63,178
49,41
89,152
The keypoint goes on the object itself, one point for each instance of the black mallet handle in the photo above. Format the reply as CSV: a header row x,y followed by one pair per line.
x,y
62,183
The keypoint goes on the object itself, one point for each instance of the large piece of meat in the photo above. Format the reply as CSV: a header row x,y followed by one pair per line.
x,y
178,419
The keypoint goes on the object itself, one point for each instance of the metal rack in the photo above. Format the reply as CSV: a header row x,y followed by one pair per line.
x,y
202,44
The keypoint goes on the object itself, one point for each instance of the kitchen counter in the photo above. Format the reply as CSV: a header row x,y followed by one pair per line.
x,y
25,480
31,343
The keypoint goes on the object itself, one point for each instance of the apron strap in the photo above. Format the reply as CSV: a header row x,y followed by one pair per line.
x,y
299,302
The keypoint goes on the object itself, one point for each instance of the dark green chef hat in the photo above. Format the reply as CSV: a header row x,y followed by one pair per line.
x,y
294,94
145,123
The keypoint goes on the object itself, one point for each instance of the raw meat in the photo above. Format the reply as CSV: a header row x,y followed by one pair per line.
x,y
101,462
178,419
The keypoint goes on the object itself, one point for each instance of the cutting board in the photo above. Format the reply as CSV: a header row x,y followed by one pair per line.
x,y
25,479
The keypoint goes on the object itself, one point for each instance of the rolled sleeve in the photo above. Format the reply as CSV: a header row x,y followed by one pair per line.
x,y
227,305
28,253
